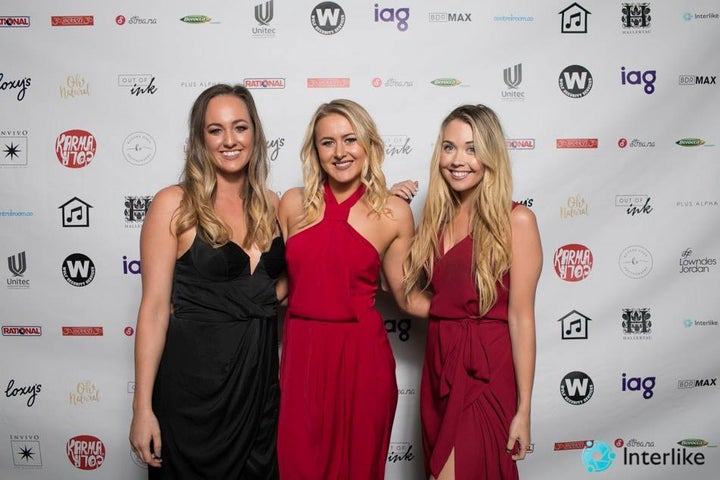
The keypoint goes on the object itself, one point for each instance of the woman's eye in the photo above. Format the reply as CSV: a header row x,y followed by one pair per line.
x,y
214,131
471,150
447,147
350,140
326,143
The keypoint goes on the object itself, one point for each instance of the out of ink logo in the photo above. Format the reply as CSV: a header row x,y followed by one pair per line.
x,y
637,77
85,452
139,148
139,83
75,148
635,261
78,270
397,145
634,204
575,81
327,18
573,262
75,213
399,16
577,388
574,19
400,452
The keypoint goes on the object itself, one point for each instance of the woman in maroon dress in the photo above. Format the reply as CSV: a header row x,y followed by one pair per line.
x,y
481,257
337,373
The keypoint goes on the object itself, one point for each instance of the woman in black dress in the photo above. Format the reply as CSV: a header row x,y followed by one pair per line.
x,y
206,365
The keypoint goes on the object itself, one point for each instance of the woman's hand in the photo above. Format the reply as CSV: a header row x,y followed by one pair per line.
x,y
406,189
144,433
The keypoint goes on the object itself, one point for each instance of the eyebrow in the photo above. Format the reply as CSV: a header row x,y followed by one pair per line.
x,y
218,124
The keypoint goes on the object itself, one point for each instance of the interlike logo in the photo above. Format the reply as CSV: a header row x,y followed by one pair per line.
x,y
400,16
636,77
75,148
573,262
327,18
78,270
597,456
575,81
85,452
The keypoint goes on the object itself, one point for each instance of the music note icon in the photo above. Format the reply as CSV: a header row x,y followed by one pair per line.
x,y
576,324
77,218
575,16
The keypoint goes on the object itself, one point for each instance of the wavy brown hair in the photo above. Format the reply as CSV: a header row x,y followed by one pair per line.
x,y
367,136
199,183
489,216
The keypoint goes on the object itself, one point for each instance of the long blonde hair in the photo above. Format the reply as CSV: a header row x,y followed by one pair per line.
x,y
367,136
199,181
489,217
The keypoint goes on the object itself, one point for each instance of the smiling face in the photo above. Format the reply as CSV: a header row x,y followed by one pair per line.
x,y
459,165
228,134
341,155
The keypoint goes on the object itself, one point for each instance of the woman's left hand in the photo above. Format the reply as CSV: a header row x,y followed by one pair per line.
x,y
406,189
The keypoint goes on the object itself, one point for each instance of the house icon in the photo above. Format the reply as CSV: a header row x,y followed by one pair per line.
x,y
75,213
574,326
573,19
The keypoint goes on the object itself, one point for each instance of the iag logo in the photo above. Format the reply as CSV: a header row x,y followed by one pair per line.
x,y
635,384
636,77
399,15
130,266
401,326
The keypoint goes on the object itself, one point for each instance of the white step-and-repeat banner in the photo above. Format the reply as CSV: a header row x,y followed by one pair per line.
x,y
612,112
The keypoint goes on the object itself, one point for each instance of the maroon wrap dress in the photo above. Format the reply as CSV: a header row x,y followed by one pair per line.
x,y
337,371
468,395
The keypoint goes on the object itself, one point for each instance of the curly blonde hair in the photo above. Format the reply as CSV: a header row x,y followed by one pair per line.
x,y
489,218
372,176
199,183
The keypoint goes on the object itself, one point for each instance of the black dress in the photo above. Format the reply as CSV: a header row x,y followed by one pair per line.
x,y
216,392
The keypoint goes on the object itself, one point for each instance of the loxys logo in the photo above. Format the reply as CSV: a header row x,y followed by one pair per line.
x,y
78,270
327,18
20,85
575,81
75,148
577,388
573,262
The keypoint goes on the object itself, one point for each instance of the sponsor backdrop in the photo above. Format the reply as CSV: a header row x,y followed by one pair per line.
x,y
611,112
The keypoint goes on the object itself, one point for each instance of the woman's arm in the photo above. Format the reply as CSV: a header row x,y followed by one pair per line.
x,y
158,251
524,275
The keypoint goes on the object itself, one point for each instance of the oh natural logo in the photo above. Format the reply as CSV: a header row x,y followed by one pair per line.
x,y
575,206
573,262
75,86
84,392
85,452
75,148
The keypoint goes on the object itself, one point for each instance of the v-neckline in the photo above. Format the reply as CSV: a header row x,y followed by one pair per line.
x,y
445,252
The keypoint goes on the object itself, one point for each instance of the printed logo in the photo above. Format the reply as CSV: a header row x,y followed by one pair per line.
x,y
574,19
78,270
575,206
327,18
75,213
697,80
397,145
634,204
512,76
26,451
328,83
690,142
635,143
14,144
139,148
635,261
442,17
75,86
264,83
196,19
21,331
401,327
597,456
577,388
636,18
20,85
636,77
446,82
575,81
140,84
14,22
75,148
399,15
70,331
72,20
130,266
697,382
520,143
85,452
576,143
377,82
635,384
574,326
83,393
688,264
29,391
135,210
400,452
573,262
274,145
636,324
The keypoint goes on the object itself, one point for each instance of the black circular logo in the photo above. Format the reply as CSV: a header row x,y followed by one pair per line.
x,y
575,81
327,18
78,270
576,388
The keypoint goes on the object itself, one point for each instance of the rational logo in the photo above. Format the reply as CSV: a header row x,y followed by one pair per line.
x,y
520,143
78,270
75,213
577,388
13,148
21,331
264,83
14,22
574,19
575,81
75,148
327,18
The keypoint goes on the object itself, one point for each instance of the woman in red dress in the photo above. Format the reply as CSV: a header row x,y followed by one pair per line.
x,y
337,372
480,255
